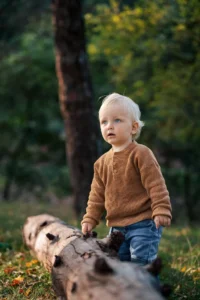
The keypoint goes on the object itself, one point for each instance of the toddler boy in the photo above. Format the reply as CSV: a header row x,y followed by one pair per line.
x,y
128,184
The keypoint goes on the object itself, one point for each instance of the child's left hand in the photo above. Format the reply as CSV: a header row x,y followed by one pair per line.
x,y
162,221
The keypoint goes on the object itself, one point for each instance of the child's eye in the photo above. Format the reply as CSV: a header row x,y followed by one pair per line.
x,y
117,120
104,122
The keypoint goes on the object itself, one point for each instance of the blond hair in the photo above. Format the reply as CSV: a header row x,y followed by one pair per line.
x,y
129,105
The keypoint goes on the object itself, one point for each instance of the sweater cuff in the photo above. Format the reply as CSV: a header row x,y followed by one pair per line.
x,y
162,212
93,222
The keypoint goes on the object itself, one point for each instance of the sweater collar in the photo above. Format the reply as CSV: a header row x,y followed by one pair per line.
x,y
125,150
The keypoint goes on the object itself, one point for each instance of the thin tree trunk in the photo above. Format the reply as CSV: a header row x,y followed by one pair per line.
x,y
189,205
76,96
15,154
85,269
12,165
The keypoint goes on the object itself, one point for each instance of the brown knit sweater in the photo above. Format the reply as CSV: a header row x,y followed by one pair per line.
x,y
129,185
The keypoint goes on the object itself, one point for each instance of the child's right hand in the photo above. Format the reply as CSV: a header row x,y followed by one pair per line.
x,y
86,228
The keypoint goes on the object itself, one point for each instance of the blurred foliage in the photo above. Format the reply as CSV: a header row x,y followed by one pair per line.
x,y
148,50
32,133
15,16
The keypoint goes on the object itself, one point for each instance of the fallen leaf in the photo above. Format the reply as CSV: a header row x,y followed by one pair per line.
x,y
32,262
28,291
183,269
18,280
31,271
9,270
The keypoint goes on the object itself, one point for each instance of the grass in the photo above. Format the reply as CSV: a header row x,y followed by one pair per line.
x,y
23,277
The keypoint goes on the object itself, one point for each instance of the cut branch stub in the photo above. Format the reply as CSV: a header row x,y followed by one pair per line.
x,y
92,234
74,287
166,290
155,267
50,236
112,243
45,223
115,240
102,267
58,261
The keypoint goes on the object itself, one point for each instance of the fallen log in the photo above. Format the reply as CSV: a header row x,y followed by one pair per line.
x,y
85,268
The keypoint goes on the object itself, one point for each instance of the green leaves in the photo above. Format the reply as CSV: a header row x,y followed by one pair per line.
x,y
149,52
30,119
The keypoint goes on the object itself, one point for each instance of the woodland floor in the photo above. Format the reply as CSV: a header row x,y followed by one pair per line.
x,y
23,277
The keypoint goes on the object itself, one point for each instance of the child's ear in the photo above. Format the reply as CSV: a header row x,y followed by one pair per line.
x,y
135,126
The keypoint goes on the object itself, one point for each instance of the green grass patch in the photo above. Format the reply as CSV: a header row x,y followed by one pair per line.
x,y
23,277
180,251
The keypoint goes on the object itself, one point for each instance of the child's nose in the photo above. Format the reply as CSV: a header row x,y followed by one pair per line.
x,y
110,125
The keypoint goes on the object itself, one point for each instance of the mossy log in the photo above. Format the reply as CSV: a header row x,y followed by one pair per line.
x,y
85,268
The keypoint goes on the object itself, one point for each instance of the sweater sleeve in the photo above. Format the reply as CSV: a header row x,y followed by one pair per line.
x,y
154,183
95,205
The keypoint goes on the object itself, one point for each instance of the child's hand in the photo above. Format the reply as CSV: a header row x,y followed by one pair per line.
x,y
86,228
162,221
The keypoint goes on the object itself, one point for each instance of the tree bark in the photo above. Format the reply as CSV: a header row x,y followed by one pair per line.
x,y
87,268
76,97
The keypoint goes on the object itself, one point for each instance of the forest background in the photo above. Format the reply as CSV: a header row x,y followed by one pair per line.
x,y
147,50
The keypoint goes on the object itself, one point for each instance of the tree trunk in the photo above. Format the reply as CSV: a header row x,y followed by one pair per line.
x,y
87,268
76,96
189,203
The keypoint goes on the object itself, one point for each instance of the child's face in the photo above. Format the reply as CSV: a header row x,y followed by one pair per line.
x,y
117,128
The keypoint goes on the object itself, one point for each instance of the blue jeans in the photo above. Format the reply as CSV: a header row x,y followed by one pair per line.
x,y
141,242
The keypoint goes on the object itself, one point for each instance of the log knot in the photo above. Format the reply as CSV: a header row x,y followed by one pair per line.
x,y
101,266
45,223
52,237
166,290
92,234
74,287
58,261
115,240
155,267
